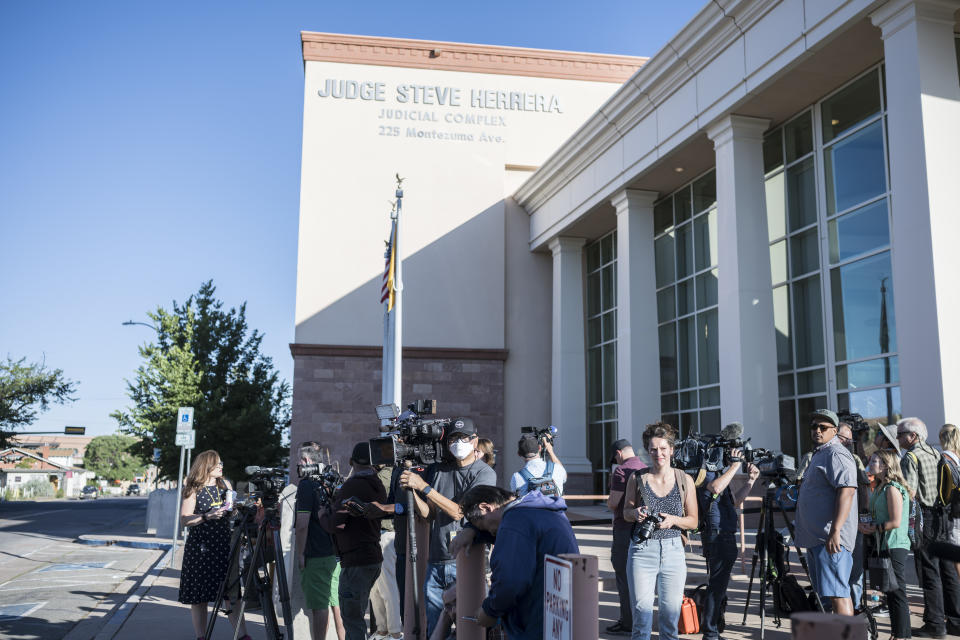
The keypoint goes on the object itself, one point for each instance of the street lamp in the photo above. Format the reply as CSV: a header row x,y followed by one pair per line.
x,y
144,324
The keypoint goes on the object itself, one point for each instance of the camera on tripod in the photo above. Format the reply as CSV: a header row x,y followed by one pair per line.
x,y
267,483
409,436
714,452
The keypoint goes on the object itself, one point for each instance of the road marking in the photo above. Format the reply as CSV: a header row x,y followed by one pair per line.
x,y
14,611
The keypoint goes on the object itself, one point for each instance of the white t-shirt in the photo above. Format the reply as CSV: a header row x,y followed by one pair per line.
x,y
536,467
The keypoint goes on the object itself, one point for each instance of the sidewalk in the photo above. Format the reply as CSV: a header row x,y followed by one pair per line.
x,y
156,614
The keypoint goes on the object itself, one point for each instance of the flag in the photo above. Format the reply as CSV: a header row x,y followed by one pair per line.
x,y
387,287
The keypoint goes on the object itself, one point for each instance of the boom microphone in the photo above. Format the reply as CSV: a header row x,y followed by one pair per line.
x,y
732,431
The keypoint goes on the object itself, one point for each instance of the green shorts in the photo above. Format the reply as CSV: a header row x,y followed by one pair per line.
x,y
320,580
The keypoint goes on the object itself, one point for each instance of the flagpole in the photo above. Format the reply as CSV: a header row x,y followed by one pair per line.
x,y
396,321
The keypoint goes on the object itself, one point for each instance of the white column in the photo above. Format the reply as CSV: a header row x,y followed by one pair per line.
x,y
748,351
923,134
568,388
638,350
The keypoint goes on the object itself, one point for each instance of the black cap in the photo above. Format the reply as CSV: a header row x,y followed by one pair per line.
x,y
824,415
617,446
528,445
361,453
462,425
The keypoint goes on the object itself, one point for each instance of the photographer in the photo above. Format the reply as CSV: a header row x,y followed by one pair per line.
x,y
546,475
826,522
719,525
436,498
525,530
357,538
319,569
664,501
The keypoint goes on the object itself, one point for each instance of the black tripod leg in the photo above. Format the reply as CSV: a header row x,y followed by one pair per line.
x,y
282,585
753,565
412,549
252,567
235,545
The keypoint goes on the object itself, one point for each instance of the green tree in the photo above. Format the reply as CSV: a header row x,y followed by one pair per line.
x,y
114,458
206,357
26,390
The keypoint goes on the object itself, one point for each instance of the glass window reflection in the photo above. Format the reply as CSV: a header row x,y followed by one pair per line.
x,y
684,251
869,373
802,194
804,253
859,231
668,357
705,192
705,237
776,207
863,320
665,305
798,134
855,169
874,404
808,321
663,252
847,108
687,343
708,346
662,216
773,151
781,321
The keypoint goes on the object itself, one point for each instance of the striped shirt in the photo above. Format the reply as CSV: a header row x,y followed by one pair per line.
x,y
919,466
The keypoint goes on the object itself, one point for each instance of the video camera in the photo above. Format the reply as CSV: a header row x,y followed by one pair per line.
x,y
327,476
409,436
857,424
542,434
714,452
267,482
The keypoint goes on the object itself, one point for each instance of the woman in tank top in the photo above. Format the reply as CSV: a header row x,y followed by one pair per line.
x,y
657,564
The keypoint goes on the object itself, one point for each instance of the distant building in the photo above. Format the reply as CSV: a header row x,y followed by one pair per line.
x,y
19,466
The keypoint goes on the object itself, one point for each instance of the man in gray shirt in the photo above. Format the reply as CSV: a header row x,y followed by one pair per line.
x,y
827,512
437,497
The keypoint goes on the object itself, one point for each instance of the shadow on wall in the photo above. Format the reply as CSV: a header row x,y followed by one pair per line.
x,y
453,298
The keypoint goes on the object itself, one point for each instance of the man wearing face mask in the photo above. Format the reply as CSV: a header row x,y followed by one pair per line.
x,y
437,495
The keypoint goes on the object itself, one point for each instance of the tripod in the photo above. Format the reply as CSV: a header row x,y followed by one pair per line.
x,y
250,537
766,539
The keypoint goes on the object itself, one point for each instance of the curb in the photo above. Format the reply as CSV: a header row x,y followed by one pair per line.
x,y
133,544
115,621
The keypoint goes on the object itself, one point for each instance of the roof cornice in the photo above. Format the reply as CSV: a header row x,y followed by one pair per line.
x,y
475,58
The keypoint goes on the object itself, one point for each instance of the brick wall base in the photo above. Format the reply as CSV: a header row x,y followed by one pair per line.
x,y
336,390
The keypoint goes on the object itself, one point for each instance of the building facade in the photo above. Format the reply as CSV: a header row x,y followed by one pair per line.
x,y
757,222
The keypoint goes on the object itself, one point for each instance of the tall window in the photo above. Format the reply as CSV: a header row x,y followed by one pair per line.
x,y
829,223
601,355
685,246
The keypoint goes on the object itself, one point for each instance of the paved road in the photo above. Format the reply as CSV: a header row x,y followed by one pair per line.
x,y
50,585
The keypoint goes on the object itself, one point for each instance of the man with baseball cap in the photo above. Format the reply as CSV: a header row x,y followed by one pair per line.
x,y
827,512
541,468
627,462
357,538
437,495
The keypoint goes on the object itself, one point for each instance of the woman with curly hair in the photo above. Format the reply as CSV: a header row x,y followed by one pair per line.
x,y
207,551
657,563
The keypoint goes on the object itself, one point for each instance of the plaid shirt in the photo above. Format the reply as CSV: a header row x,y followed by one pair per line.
x,y
926,484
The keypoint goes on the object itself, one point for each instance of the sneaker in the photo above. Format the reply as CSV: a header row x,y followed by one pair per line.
x,y
927,631
618,629
880,611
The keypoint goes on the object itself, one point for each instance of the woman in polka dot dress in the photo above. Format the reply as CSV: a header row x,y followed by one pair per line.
x,y
207,551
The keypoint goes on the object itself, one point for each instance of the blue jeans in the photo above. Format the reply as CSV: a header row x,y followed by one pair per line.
x,y
661,566
440,577
721,552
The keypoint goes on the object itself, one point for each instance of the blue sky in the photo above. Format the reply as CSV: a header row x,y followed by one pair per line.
x,y
146,147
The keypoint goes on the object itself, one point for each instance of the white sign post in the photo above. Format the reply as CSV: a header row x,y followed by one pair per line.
x,y
557,605
185,436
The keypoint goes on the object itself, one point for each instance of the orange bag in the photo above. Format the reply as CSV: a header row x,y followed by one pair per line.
x,y
689,619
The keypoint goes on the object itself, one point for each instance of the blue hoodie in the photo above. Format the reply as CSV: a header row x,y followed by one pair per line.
x,y
531,527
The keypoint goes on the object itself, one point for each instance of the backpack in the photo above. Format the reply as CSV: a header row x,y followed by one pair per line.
x,y
544,484
948,485
789,597
699,597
